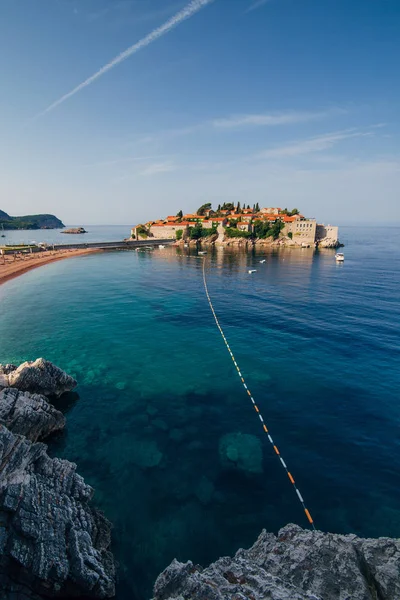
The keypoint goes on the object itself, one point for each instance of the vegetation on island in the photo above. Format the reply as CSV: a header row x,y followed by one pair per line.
x,y
30,222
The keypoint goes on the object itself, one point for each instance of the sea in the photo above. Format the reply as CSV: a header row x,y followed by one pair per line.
x,y
159,400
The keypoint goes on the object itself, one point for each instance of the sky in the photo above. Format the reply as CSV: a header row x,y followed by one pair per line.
x,y
120,111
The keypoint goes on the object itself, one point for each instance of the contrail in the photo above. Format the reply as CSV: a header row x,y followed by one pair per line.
x,y
193,7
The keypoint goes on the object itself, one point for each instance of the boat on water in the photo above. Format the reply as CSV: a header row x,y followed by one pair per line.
x,y
262,261
339,256
161,246
203,252
252,271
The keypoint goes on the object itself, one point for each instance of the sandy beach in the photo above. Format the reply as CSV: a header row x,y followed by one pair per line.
x,y
10,267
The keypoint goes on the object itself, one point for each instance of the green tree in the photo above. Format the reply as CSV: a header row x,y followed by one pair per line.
x,y
276,229
196,232
142,231
238,207
261,229
203,209
179,234
232,223
179,214
219,208
294,211
290,235
237,233
228,206
257,209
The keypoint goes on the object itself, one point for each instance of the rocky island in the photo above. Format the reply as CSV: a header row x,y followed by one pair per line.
x,y
234,225
30,222
76,230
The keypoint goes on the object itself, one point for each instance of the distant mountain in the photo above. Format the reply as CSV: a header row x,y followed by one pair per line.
x,y
30,222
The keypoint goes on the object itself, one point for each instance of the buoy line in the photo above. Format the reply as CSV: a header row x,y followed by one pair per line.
x,y
257,410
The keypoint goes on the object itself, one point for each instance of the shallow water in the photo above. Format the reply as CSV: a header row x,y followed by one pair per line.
x,y
318,343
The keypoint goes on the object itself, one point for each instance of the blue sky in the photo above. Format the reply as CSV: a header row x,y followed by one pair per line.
x,y
281,102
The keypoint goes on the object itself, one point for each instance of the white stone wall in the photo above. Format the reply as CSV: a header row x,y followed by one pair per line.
x,y
168,232
327,232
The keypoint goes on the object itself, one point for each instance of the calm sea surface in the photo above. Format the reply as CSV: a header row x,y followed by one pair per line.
x,y
319,345
95,233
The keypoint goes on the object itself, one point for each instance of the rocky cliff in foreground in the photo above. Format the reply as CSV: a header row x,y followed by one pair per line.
x,y
53,543
294,565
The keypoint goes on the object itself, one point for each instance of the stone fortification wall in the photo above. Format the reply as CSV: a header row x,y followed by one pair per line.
x,y
168,232
327,232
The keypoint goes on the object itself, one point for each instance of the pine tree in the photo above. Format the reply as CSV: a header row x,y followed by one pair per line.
x,y
257,207
219,208
180,214
238,207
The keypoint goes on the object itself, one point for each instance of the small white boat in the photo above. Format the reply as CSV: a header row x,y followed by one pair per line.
x,y
203,252
161,246
186,245
252,271
262,261
339,256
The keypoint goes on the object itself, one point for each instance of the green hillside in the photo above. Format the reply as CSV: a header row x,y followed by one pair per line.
x,y
29,222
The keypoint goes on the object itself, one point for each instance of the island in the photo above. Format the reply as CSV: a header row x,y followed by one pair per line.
x,y
233,224
30,222
75,230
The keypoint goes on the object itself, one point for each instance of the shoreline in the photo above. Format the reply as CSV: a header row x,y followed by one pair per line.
x,y
14,268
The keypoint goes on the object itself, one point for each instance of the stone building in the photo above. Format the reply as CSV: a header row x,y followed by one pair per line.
x,y
302,230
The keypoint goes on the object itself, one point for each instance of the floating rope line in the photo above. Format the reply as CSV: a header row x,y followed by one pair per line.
x,y
257,410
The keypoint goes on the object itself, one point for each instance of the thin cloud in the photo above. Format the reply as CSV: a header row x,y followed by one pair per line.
x,y
192,8
316,144
268,119
256,5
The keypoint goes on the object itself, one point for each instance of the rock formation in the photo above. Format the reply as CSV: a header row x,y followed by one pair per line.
x,y
28,414
75,230
294,565
38,377
51,540
53,543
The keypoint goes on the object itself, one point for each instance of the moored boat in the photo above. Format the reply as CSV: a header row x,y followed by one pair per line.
x,y
339,256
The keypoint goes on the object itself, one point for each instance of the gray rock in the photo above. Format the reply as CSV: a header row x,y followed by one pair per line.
x,y
38,377
296,564
52,542
28,414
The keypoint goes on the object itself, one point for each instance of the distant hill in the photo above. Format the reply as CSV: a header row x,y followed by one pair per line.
x,y
30,222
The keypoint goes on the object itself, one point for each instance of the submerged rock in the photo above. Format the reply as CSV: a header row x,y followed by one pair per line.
x,y
52,542
37,377
146,454
241,451
294,565
28,414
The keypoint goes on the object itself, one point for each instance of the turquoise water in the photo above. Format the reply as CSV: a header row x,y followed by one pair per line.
x,y
318,343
